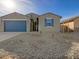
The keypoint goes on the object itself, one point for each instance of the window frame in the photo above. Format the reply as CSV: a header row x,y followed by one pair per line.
x,y
47,22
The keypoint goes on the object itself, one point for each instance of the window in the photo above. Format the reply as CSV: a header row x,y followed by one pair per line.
x,y
49,22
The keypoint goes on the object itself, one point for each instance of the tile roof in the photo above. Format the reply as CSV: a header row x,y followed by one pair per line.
x,y
70,19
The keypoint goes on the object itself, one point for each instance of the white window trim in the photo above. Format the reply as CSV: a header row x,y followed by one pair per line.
x,y
49,18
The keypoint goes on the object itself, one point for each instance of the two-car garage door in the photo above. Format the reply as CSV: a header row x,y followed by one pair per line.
x,y
15,26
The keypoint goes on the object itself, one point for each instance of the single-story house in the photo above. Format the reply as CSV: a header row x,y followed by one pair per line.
x,y
16,22
70,25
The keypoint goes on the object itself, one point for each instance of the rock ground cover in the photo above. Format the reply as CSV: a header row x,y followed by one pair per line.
x,y
43,45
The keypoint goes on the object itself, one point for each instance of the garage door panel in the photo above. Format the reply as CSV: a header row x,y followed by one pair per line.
x,y
15,26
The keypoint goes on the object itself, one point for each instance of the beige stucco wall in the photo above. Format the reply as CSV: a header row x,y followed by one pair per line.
x,y
73,25
32,16
16,17
68,26
76,24
54,28
19,17
1,26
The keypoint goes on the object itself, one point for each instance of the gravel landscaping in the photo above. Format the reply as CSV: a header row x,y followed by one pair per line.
x,y
43,45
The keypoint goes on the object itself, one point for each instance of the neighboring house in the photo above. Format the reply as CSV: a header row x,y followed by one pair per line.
x,y
70,25
16,22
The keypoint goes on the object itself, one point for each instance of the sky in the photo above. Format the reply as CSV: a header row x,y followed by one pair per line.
x,y
64,8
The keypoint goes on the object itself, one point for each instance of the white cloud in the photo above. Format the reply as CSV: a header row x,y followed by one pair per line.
x,y
22,6
25,6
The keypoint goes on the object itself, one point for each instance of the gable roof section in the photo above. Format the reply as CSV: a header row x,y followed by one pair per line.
x,y
51,14
70,19
15,14
32,14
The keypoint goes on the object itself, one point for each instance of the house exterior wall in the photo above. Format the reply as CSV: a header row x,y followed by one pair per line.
x,y
71,25
1,25
62,27
42,28
54,28
67,27
76,25
15,17
32,17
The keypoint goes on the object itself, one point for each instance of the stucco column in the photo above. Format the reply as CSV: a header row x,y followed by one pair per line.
x,y
28,25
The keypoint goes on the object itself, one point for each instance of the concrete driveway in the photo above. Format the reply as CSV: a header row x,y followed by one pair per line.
x,y
7,35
